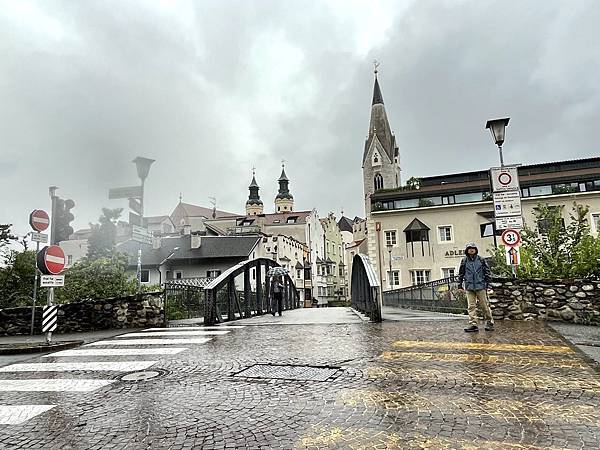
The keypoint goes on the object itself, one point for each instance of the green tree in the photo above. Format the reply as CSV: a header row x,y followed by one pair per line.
x,y
104,234
102,277
5,237
16,279
413,183
553,250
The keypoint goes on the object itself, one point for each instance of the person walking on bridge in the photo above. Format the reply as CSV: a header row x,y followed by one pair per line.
x,y
277,295
474,275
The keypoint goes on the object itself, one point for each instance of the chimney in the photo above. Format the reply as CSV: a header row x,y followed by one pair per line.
x,y
156,242
196,241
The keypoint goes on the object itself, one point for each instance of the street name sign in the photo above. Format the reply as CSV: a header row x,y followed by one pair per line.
x,y
39,220
140,234
135,205
507,203
52,281
504,178
39,237
51,260
514,222
125,192
511,238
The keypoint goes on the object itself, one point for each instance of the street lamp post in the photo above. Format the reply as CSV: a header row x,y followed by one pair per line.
x,y
389,248
143,168
498,127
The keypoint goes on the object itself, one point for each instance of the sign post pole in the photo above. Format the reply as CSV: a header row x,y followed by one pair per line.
x,y
35,283
39,221
50,300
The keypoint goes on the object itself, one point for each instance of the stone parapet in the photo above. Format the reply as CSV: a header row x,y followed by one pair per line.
x,y
143,310
575,301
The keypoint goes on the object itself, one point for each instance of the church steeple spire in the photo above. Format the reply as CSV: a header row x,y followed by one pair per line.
x,y
254,204
284,201
381,157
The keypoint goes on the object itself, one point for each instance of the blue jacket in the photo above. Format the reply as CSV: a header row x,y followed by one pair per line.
x,y
474,273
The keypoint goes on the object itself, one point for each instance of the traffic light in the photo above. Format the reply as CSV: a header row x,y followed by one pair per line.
x,y
61,217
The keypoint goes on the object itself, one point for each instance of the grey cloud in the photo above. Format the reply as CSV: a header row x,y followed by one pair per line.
x,y
193,91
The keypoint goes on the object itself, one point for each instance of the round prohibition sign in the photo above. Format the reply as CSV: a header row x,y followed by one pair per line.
x,y
504,178
511,238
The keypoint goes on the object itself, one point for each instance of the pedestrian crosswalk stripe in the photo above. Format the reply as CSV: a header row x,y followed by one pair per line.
x,y
124,366
118,352
53,385
175,333
226,327
17,414
152,341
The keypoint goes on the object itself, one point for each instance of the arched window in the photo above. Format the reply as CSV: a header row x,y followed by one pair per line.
x,y
378,181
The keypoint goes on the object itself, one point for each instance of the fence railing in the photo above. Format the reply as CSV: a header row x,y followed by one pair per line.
x,y
440,295
184,298
223,301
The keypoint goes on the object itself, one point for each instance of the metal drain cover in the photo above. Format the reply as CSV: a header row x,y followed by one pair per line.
x,y
288,372
140,376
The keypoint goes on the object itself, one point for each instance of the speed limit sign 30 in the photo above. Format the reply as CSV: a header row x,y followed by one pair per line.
x,y
511,238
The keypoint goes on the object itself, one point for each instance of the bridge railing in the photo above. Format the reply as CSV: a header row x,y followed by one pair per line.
x,y
365,288
226,300
441,295
184,298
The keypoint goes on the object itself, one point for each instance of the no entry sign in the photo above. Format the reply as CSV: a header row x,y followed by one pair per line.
x,y
51,260
39,220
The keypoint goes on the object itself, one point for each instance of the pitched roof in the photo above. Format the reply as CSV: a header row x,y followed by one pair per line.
x,y
345,224
201,211
281,218
379,126
416,225
157,219
211,247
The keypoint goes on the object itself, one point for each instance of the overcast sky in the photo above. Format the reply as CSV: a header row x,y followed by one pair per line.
x,y
212,88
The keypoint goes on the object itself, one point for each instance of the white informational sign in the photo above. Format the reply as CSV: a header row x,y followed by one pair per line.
x,y
504,179
140,234
52,281
514,222
397,258
39,237
507,203
513,256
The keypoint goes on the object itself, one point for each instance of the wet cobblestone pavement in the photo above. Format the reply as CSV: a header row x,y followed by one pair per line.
x,y
421,384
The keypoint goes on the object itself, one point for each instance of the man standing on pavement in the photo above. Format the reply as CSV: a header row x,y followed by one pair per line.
x,y
473,276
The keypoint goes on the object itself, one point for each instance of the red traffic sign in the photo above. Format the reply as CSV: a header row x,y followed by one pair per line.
x,y
39,220
51,260
511,238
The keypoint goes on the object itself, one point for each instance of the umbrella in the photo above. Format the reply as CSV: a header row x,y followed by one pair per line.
x,y
274,271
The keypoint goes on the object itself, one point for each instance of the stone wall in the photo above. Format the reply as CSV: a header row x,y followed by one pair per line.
x,y
144,310
576,301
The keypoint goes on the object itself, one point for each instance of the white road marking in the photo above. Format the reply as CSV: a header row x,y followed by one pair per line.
x,y
152,341
174,333
16,414
53,385
125,366
196,328
119,352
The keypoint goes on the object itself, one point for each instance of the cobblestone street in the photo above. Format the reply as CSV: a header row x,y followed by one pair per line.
x,y
333,383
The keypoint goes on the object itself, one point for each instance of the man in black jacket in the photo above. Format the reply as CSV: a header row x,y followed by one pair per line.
x,y
474,276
